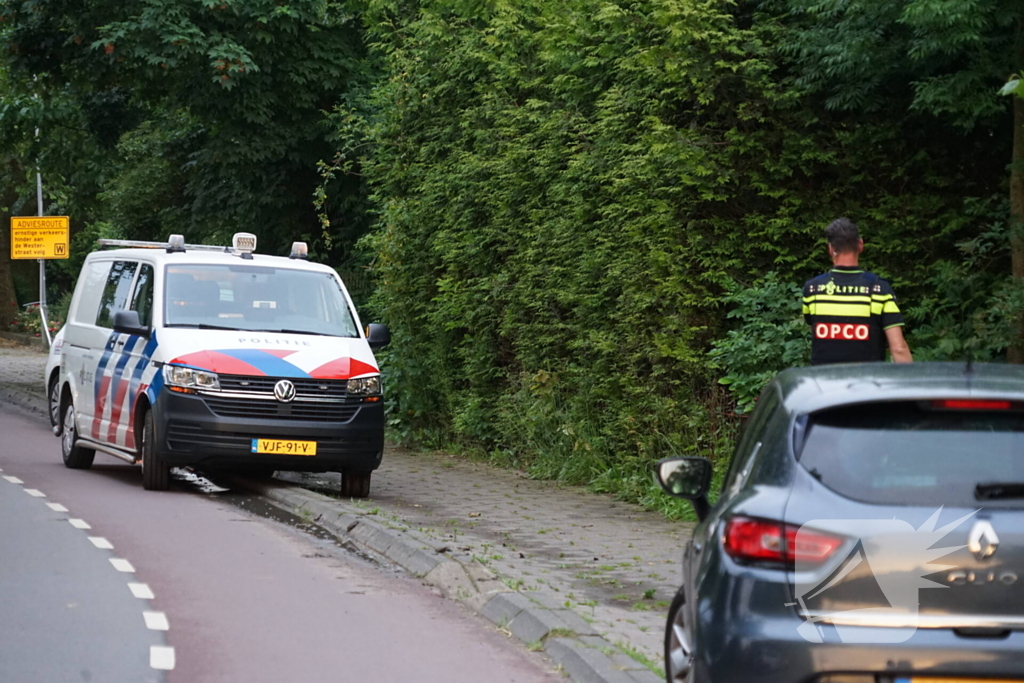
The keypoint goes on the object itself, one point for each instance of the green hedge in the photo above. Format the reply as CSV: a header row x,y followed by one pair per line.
x,y
565,193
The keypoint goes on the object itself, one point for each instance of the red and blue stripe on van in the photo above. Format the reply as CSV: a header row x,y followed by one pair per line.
x,y
271,363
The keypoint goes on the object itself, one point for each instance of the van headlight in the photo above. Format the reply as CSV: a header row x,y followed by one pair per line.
x,y
364,386
178,376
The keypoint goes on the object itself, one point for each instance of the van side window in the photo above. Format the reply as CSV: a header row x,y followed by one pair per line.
x,y
89,291
116,292
142,300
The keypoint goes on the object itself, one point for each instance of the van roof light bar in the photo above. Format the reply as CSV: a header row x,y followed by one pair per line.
x,y
171,245
242,244
138,244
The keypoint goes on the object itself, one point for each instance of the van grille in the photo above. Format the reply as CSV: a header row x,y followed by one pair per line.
x,y
320,388
316,400
273,410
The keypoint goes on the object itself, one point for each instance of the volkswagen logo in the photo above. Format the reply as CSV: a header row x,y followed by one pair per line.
x,y
982,541
284,391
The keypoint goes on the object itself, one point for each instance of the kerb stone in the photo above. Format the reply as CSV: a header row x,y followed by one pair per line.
x,y
585,664
504,607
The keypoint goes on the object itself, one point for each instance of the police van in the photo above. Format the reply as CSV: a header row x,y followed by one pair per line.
x,y
177,354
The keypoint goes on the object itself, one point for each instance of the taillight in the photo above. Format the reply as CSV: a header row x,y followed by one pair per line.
x,y
971,404
758,540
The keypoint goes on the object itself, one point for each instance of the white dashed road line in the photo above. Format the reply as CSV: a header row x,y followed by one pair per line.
x,y
122,565
156,621
161,657
141,591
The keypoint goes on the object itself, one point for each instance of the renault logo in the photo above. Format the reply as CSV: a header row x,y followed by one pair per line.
x,y
284,391
983,541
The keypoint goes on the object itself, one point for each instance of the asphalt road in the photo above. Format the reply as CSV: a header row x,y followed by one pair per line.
x,y
226,595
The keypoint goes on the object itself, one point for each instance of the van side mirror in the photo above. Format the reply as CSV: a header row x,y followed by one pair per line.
x,y
378,336
688,478
127,322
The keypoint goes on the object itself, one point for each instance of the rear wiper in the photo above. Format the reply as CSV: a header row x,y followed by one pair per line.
x,y
999,491
203,326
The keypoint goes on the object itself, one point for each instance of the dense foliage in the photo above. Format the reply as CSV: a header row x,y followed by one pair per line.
x,y
573,197
585,214
184,116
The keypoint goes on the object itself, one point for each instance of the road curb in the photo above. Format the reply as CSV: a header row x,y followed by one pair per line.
x,y
26,400
561,633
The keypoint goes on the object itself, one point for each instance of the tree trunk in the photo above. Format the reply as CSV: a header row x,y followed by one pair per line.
x,y
1016,350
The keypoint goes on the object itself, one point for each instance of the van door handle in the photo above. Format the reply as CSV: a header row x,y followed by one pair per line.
x,y
119,342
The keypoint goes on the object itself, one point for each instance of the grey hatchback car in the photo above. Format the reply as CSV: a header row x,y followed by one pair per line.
x,y
870,529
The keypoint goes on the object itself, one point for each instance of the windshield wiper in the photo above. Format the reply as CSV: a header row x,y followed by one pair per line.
x,y
312,332
286,331
204,326
999,491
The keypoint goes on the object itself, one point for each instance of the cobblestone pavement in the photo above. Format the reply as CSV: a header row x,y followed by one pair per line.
x,y
21,375
615,564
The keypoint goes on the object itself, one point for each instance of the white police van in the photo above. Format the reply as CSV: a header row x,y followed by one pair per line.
x,y
178,354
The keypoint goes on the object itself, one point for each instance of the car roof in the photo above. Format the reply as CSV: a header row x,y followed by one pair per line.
x,y
204,257
805,390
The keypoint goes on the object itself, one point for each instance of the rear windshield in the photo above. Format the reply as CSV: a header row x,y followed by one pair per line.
x,y
910,454
256,298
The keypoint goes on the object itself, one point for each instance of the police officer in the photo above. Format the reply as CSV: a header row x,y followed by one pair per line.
x,y
852,313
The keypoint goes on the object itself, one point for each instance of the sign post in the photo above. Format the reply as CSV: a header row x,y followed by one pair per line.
x,y
41,237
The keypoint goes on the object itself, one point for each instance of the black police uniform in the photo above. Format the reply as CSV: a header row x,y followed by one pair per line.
x,y
849,310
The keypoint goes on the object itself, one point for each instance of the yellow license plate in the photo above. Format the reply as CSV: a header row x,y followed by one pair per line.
x,y
282,447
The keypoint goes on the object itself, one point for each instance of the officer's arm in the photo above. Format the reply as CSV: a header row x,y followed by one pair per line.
x,y
898,345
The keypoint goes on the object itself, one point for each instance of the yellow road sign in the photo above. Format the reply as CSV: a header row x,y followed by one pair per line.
x,y
34,237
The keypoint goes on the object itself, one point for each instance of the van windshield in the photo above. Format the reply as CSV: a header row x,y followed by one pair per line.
x,y
256,299
907,453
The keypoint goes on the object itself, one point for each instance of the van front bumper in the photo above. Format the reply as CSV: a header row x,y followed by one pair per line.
x,y
190,432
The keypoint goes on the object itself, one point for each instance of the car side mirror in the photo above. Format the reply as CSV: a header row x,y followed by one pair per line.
x,y
127,322
688,478
377,336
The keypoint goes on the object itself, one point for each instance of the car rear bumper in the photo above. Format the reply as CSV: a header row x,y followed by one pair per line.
x,y
190,432
770,650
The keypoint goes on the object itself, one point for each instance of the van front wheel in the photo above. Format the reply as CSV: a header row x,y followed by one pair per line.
x,y
355,484
156,474
76,457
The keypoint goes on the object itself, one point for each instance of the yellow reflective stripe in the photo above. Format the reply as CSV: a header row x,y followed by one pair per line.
x,y
855,311
838,297
890,307
881,297
807,309
876,309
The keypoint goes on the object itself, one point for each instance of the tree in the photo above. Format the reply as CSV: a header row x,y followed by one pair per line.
x,y
940,58
232,95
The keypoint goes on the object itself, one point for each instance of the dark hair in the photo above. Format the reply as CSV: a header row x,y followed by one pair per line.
x,y
843,235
